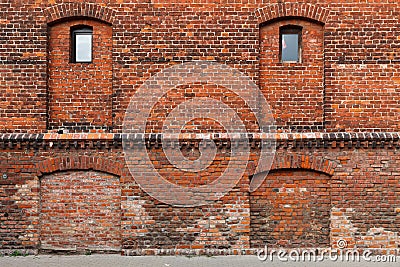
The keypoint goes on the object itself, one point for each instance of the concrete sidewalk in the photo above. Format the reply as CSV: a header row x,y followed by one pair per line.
x,y
98,260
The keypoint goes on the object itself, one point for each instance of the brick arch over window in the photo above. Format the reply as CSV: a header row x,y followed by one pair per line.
x,y
281,10
67,10
81,163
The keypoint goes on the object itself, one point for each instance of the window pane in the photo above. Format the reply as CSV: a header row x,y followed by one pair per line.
x,y
83,48
290,47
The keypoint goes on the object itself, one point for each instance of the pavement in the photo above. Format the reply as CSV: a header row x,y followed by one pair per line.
x,y
101,260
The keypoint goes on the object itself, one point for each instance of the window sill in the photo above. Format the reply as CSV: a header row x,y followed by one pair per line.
x,y
290,62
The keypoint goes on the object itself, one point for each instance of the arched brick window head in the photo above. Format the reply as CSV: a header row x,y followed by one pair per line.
x,y
81,44
290,43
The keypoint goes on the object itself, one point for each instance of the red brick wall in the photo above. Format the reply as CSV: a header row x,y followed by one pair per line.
x,y
364,97
362,67
23,67
80,210
80,94
360,93
184,93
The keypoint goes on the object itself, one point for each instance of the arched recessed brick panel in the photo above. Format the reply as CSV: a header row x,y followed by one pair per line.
x,y
67,81
306,82
291,209
80,210
296,196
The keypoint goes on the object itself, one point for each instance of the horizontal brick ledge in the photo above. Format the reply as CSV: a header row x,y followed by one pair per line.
x,y
333,136
340,140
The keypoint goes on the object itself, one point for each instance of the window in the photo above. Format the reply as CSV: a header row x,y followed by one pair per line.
x,y
81,44
290,43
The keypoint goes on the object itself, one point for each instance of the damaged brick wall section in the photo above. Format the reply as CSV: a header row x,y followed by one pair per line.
x,y
379,239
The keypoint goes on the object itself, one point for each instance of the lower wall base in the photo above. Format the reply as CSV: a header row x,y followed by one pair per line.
x,y
205,252
258,252
18,252
187,252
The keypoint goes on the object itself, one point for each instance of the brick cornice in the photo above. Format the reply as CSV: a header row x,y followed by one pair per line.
x,y
66,10
281,10
282,140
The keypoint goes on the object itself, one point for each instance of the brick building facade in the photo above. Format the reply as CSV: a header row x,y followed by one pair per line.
x,y
65,184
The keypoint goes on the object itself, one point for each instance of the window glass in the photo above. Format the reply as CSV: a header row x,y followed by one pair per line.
x,y
82,44
290,47
83,48
290,43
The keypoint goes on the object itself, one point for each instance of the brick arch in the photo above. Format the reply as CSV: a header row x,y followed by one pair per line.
x,y
67,10
306,162
281,10
80,163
